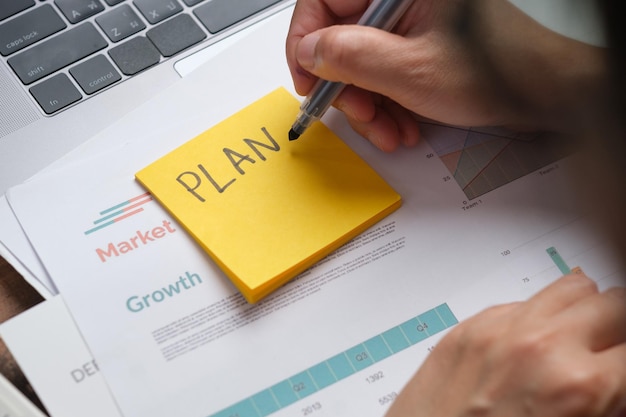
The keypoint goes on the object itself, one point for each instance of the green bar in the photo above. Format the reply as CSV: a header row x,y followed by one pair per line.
x,y
284,393
345,363
341,366
558,260
359,357
432,322
322,375
396,339
446,315
265,402
377,347
414,330
244,408
302,384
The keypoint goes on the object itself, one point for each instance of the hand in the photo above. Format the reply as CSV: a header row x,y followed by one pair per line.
x,y
463,62
560,354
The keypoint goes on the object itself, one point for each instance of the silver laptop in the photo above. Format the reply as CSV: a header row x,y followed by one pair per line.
x,y
69,68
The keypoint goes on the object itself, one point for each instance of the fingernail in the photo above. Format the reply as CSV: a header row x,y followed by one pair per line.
x,y
305,54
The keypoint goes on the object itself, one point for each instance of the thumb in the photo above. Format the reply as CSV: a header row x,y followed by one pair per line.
x,y
368,58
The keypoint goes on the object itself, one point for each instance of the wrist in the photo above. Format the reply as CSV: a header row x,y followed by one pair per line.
x,y
545,80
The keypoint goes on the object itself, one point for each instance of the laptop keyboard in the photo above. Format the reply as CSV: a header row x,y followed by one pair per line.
x,y
64,51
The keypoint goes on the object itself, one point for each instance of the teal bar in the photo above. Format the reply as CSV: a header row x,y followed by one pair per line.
x,y
345,364
395,339
414,331
302,384
322,375
102,226
377,347
340,365
446,315
359,357
558,260
284,394
432,322
244,408
265,403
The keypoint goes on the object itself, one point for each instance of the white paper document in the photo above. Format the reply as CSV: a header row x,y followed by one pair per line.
x,y
52,354
172,336
16,249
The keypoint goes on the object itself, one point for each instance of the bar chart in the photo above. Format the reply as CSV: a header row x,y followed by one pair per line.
x,y
343,364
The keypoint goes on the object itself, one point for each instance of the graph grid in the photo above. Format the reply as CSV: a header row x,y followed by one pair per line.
x,y
483,159
343,365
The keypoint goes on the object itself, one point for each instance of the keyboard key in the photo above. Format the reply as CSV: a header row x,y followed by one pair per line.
x,y
11,7
217,15
192,2
55,93
135,55
78,10
95,74
156,11
53,54
175,35
120,23
113,2
29,28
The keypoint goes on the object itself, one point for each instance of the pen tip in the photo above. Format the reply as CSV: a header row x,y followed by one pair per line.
x,y
293,135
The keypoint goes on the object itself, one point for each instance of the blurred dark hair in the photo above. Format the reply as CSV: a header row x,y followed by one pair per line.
x,y
599,123
614,143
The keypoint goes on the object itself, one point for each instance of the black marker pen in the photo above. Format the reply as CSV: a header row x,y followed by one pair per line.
x,y
381,14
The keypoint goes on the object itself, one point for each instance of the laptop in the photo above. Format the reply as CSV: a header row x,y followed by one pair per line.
x,y
70,68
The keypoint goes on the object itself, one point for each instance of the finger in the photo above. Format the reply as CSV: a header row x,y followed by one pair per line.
x,y
371,59
382,121
613,360
561,294
407,124
599,320
480,330
309,16
382,130
364,114
341,53
453,361
359,105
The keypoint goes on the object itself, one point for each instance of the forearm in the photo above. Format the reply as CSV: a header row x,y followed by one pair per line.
x,y
551,82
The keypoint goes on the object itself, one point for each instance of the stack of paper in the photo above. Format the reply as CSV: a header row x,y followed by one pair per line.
x,y
154,326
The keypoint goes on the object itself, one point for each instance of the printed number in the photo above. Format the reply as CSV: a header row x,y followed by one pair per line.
x,y
375,377
299,387
387,398
505,253
311,408
430,155
446,178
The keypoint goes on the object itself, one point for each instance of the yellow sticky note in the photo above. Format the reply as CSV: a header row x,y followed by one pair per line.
x,y
265,208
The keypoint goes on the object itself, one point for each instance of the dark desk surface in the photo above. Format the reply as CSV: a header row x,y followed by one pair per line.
x,y
16,295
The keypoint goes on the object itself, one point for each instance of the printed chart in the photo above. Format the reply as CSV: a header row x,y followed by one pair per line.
x,y
483,159
574,247
560,262
344,364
